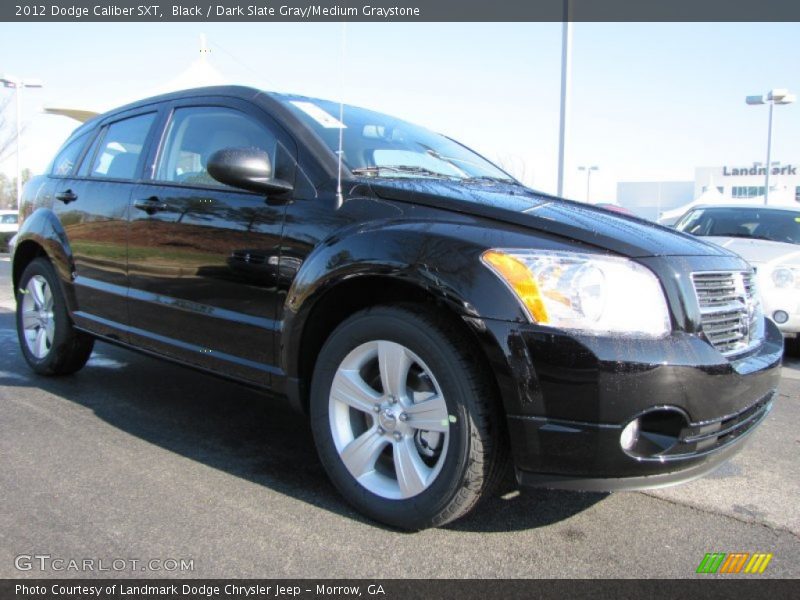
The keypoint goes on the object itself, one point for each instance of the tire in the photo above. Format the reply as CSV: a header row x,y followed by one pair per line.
x,y
792,346
50,343
386,463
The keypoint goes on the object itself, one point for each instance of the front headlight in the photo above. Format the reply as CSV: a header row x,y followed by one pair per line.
x,y
786,277
593,293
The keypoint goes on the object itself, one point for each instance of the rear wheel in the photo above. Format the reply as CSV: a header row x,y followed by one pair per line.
x,y
49,342
404,418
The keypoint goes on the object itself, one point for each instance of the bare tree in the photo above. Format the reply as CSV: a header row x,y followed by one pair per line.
x,y
8,188
516,166
8,130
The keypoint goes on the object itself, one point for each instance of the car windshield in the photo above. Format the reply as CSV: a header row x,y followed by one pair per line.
x,y
758,223
377,145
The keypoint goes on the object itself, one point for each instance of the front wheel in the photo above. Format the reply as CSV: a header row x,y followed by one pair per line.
x,y
405,417
49,342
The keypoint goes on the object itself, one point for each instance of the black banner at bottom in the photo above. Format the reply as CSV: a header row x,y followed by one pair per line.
x,y
710,588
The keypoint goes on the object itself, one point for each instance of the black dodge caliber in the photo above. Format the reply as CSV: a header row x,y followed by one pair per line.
x,y
434,317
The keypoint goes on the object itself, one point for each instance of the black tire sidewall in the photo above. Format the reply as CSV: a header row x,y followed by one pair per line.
x,y
63,328
442,358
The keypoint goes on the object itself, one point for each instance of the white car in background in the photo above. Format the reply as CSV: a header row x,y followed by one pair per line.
x,y
769,239
9,224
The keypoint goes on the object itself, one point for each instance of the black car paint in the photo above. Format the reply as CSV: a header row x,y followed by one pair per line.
x,y
258,312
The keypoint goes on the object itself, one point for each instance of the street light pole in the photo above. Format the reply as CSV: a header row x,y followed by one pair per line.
x,y
588,179
17,84
768,166
18,102
773,97
566,68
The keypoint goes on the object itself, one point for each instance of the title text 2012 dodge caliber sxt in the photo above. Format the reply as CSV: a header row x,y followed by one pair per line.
x,y
434,317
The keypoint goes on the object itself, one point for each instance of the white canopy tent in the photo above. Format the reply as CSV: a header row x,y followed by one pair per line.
x,y
79,114
199,73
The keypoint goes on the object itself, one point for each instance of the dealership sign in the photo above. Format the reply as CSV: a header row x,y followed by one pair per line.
x,y
755,170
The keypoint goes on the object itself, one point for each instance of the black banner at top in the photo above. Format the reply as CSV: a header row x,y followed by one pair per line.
x,y
399,10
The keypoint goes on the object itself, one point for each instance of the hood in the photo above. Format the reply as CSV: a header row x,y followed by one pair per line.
x,y
614,232
757,251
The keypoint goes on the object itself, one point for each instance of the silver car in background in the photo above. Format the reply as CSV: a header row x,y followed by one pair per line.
x,y
769,239
9,225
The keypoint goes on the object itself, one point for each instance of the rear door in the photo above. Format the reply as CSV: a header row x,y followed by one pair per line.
x,y
93,208
203,256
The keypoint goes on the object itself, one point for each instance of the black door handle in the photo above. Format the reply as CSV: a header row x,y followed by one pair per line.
x,y
67,196
151,205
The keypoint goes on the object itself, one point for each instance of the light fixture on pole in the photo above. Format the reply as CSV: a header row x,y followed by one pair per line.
x,y
773,97
17,84
589,179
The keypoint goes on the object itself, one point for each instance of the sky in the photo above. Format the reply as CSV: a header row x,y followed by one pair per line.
x,y
649,101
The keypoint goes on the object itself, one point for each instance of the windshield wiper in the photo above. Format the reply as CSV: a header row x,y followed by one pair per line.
x,y
745,236
490,179
376,171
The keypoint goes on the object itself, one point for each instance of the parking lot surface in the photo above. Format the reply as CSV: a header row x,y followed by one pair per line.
x,y
138,459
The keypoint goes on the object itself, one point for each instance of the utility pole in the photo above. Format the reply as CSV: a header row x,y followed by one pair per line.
x,y
566,75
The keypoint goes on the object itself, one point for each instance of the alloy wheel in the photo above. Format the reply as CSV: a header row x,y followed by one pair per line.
x,y
38,320
389,419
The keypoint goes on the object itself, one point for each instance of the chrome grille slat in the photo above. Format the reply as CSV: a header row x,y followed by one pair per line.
x,y
722,339
720,326
728,309
722,333
712,286
713,308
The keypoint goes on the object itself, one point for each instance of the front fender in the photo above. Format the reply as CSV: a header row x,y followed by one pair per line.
x,y
440,259
443,258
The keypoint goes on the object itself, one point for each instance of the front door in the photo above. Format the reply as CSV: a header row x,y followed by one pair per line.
x,y
203,257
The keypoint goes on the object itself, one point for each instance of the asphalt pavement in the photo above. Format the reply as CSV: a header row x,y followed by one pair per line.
x,y
134,459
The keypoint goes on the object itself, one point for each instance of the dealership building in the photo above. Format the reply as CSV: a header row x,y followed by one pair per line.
x,y
649,199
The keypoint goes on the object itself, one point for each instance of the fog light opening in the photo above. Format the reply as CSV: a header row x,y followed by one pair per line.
x,y
629,435
780,317
654,433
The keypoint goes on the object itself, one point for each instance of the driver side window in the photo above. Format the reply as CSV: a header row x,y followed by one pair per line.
x,y
195,133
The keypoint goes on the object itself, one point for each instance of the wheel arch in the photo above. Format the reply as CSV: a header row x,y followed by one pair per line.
x,y
352,294
24,253
42,235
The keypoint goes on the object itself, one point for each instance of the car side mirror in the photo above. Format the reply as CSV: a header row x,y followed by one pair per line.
x,y
246,168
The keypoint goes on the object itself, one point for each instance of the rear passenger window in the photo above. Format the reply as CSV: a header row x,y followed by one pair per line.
x,y
122,144
65,160
196,133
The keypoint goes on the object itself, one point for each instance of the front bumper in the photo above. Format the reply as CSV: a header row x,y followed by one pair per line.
x,y
569,397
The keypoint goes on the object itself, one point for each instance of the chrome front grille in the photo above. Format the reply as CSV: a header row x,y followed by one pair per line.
x,y
730,311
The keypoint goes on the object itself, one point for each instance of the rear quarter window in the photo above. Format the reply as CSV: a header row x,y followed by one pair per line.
x,y
64,162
